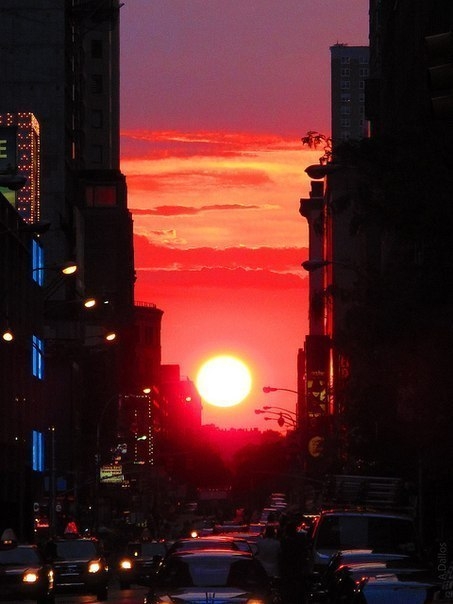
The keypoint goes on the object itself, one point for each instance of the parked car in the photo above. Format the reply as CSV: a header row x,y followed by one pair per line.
x,y
205,577
139,562
334,530
79,566
24,574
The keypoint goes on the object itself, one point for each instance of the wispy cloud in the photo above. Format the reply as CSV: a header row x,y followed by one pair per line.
x,y
149,256
183,210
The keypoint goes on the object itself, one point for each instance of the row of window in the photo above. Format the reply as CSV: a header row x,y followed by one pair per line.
x,y
346,84
346,109
345,97
363,60
345,72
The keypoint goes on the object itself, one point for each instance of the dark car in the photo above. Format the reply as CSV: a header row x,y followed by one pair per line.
x,y
396,589
342,584
228,542
24,575
139,562
342,529
206,577
79,566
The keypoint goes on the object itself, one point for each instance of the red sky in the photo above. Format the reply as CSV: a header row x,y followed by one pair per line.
x,y
216,96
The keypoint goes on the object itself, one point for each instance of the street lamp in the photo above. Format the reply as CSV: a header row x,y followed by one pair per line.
x,y
282,416
267,389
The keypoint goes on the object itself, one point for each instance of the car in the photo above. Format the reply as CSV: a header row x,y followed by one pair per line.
x,y
79,565
139,562
396,589
206,577
210,542
340,584
24,574
340,529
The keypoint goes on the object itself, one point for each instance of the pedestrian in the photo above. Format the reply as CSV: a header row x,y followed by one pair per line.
x,y
268,551
292,564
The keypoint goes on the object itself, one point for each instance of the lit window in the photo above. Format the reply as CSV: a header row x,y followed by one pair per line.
x,y
100,196
38,358
37,262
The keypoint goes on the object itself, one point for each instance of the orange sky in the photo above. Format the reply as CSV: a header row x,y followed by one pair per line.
x,y
212,117
219,251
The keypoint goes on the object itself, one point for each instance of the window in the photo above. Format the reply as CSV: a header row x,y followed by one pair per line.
x,y
345,72
37,263
345,97
96,118
363,72
96,83
37,451
96,154
345,60
345,123
345,84
361,98
96,49
100,196
345,109
38,357
362,84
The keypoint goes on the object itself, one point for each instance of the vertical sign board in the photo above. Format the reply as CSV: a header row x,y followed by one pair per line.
x,y
20,154
317,350
8,158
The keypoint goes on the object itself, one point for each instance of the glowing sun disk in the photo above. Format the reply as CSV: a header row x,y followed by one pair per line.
x,y
224,381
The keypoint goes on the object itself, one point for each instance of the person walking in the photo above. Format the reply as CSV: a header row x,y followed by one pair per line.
x,y
268,551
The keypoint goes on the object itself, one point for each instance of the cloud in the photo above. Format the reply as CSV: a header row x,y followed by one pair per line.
x,y
217,277
150,256
155,145
183,210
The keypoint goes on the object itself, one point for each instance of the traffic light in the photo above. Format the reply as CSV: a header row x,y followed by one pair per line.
x,y
439,55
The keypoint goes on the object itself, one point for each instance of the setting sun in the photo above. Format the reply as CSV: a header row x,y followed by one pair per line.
x,y
224,381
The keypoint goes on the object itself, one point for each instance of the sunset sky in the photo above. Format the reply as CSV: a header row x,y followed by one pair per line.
x,y
215,97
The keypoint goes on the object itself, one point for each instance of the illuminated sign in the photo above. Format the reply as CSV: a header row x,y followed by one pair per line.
x,y
111,474
20,154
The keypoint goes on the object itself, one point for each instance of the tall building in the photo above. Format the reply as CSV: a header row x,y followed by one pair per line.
x,y
59,128
383,262
349,72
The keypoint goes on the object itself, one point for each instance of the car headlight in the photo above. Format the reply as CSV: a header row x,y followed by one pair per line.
x,y
125,564
30,576
94,567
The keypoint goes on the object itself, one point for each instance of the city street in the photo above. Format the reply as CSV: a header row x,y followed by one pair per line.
x,y
126,596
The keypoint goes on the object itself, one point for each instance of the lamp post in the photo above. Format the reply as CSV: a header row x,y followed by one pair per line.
x,y
281,415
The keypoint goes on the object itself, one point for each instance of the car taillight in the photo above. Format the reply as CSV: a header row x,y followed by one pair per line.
x,y
125,564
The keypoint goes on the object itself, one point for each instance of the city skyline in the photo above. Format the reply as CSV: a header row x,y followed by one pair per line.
x,y
211,126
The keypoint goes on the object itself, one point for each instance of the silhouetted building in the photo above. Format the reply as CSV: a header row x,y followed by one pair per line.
x,y
349,71
59,116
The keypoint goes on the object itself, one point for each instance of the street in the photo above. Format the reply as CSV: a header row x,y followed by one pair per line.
x,y
126,596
